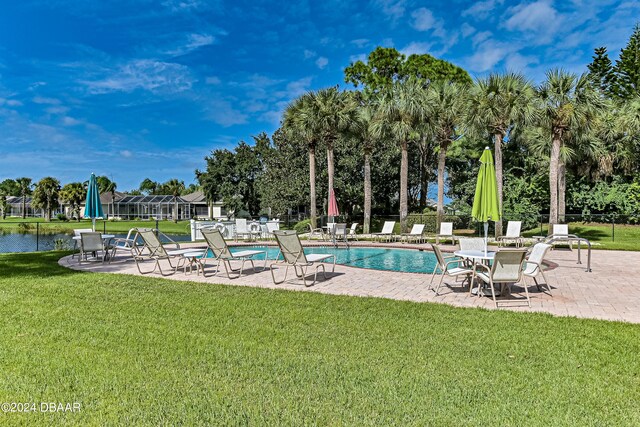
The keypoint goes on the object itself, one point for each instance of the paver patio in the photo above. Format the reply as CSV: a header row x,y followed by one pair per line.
x,y
611,291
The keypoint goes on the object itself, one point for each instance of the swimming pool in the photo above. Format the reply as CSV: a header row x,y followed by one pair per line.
x,y
403,260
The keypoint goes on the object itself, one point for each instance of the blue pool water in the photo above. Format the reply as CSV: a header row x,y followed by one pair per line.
x,y
404,260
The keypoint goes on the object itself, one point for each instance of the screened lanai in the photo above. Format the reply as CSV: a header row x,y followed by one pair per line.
x,y
147,207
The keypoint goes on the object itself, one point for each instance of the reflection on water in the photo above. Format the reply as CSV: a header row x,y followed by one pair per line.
x,y
31,242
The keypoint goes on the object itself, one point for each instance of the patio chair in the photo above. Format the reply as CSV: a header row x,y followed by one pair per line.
x,y
387,231
76,233
315,232
340,232
471,243
127,244
533,265
270,228
416,234
327,232
91,242
352,232
449,265
241,230
446,232
512,234
507,268
561,234
155,251
221,253
293,256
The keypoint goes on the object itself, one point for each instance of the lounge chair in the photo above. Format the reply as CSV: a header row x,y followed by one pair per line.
x,y
512,235
561,234
352,231
387,231
155,251
293,256
91,242
534,264
449,265
315,232
446,232
416,234
221,253
507,267
127,244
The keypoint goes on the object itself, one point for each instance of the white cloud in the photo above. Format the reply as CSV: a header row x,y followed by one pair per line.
x,y
212,80
360,57
70,121
322,62
308,54
10,102
481,10
392,9
467,29
359,42
517,62
126,153
538,18
45,100
146,74
57,110
480,37
423,19
490,53
223,113
416,48
193,42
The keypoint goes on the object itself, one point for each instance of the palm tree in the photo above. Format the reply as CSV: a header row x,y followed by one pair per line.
x,y
498,104
445,108
25,190
74,193
175,188
569,104
294,125
401,115
46,194
364,130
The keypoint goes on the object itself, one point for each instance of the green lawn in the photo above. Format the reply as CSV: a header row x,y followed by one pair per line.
x,y
169,227
627,237
151,351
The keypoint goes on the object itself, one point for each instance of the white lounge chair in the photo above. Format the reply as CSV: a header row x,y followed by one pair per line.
x,y
446,232
352,231
127,244
561,234
318,232
512,234
221,253
155,251
534,264
387,231
416,234
449,265
507,268
293,256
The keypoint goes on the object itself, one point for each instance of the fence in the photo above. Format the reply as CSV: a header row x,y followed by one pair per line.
x,y
47,236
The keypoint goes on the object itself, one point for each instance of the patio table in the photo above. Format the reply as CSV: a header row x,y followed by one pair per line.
x,y
476,256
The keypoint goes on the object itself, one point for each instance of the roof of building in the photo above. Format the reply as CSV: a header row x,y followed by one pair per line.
x,y
196,196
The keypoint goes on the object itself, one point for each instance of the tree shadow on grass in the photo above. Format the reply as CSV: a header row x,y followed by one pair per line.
x,y
29,264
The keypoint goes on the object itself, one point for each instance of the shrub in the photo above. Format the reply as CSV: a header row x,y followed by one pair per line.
x,y
61,245
302,226
62,217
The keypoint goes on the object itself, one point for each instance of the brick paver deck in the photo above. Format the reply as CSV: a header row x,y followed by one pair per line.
x,y
611,291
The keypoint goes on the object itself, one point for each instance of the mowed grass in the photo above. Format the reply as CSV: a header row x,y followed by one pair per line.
x,y
149,351
627,237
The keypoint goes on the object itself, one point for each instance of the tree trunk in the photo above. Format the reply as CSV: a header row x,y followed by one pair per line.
x,y
175,209
442,158
497,139
330,168
312,185
367,193
553,179
423,175
48,215
24,206
562,188
404,179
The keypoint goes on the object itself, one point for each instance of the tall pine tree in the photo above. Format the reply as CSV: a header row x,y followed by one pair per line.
x,y
601,71
627,68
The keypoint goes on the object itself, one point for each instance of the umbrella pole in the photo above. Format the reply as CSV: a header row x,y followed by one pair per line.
x,y
486,233
93,222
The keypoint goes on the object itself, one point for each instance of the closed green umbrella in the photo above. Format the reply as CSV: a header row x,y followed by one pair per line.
x,y
485,202
93,207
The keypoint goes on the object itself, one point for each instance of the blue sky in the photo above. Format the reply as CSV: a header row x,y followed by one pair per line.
x,y
139,88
